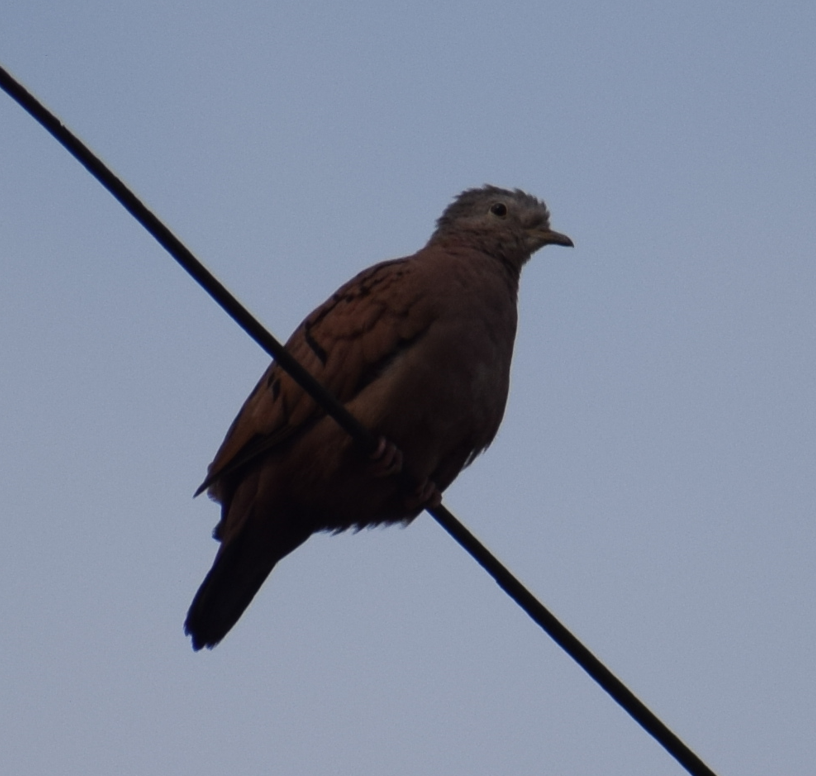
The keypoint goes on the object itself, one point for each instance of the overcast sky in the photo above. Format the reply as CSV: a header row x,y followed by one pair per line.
x,y
653,482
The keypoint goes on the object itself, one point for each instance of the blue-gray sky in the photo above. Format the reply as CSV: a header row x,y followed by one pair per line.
x,y
653,481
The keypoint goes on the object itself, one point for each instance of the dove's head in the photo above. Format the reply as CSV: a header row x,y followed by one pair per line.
x,y
509,225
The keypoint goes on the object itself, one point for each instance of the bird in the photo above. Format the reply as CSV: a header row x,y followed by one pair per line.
x,y
418,349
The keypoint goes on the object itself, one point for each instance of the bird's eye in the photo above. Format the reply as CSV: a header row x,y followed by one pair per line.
x,y
499,209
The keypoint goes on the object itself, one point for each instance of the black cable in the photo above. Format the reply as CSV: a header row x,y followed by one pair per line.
x,y
368,441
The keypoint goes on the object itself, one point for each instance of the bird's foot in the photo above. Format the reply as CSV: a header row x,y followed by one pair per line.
x,y
386,459
426,496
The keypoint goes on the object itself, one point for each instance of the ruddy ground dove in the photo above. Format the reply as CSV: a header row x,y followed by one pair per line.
x,y
419,350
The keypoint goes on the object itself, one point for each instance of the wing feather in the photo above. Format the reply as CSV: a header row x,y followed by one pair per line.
x,y
345,343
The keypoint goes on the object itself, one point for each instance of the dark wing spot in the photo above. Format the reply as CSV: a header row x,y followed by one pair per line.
x,y
358,287
314,345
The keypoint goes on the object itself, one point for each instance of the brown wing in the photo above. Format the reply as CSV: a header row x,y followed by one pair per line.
x,y
345,343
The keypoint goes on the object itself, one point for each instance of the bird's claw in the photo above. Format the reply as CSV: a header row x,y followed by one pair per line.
x,y
387,459
426,496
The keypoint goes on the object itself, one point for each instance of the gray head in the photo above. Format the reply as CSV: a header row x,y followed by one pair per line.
x,y
509,225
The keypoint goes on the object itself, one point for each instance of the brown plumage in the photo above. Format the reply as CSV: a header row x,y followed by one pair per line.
x,y
419,350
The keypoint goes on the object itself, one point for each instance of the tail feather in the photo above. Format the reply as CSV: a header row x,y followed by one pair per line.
x,y
239,570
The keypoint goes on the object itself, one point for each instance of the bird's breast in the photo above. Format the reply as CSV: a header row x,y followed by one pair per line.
x,y
445,396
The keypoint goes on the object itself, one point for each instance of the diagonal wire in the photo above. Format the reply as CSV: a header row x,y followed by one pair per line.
x,y
363,436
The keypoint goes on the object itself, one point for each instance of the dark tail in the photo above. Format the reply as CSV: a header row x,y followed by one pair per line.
x,y
238,572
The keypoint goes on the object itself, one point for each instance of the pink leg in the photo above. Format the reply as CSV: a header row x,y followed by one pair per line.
x,y
387,459
426,496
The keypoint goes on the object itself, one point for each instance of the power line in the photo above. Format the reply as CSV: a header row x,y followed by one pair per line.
x,y
368,441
